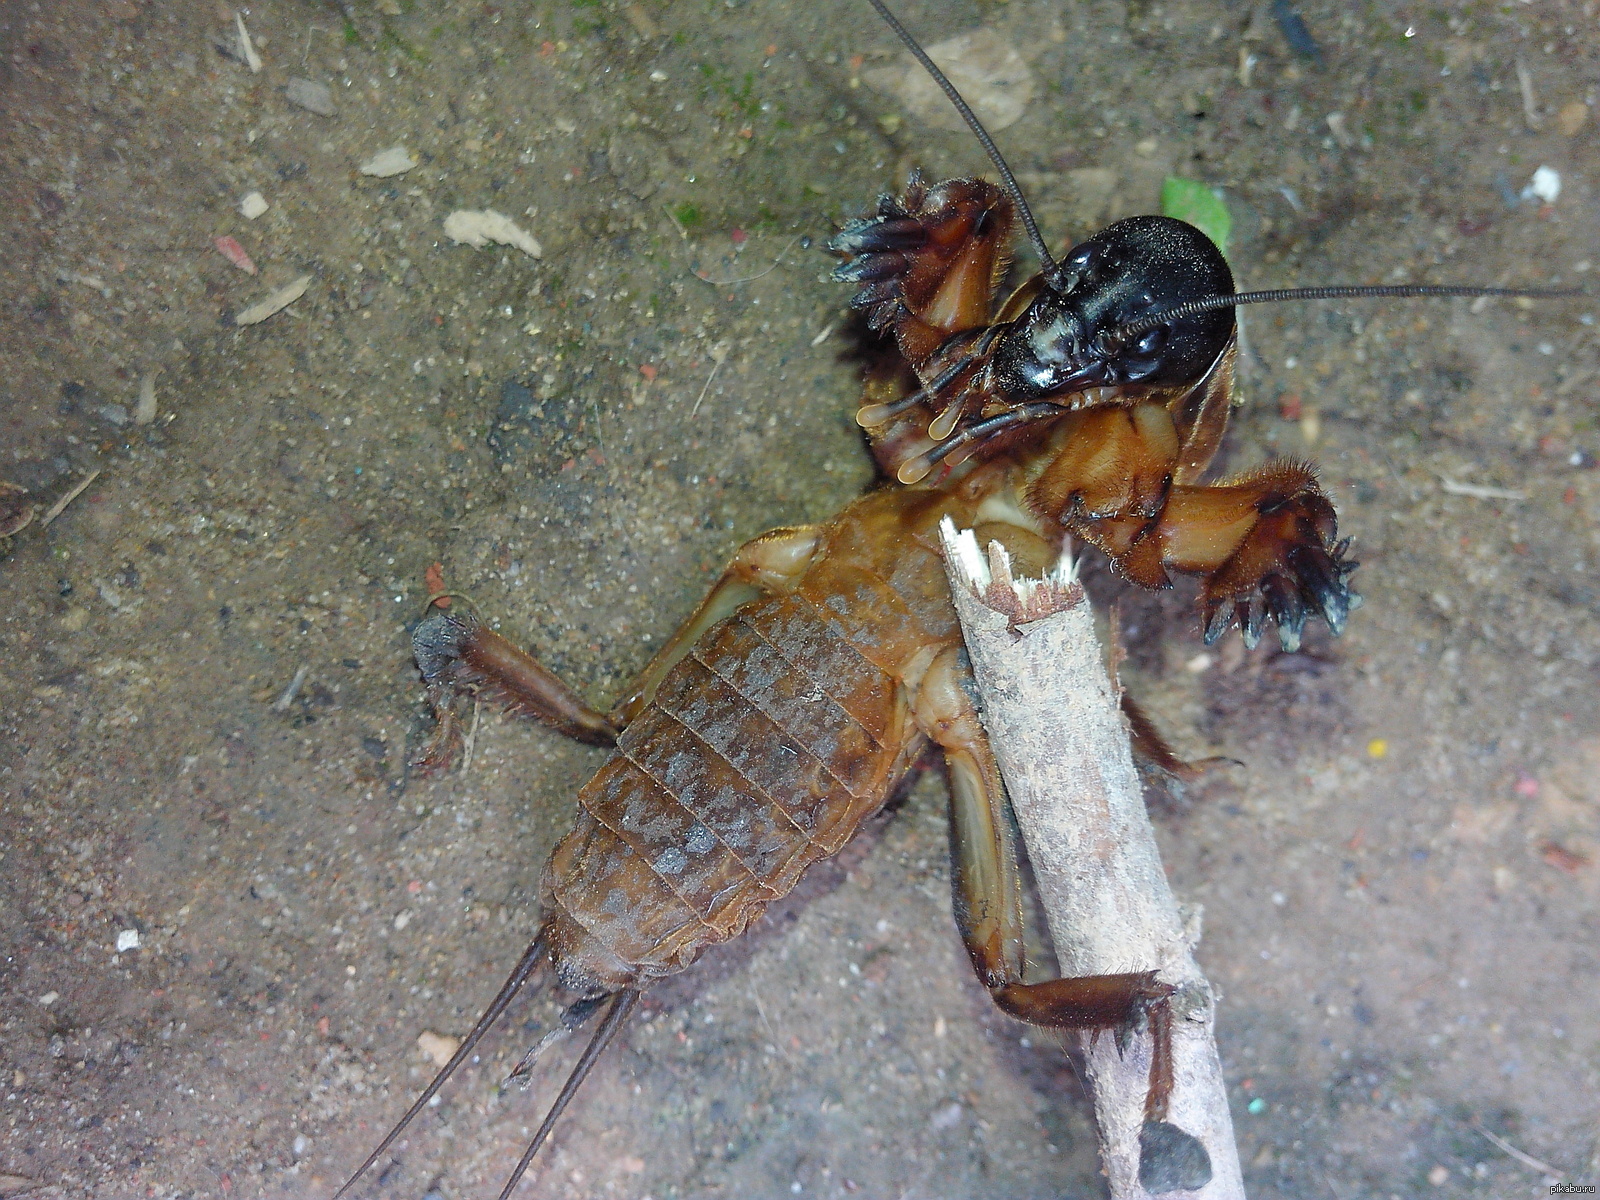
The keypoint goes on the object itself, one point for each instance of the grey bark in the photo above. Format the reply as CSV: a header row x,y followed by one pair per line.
x,y
1054,719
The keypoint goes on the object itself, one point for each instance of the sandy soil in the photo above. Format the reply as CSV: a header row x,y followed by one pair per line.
x,y
1400,883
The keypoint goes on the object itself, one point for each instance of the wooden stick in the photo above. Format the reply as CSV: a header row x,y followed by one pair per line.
x,y
1056,725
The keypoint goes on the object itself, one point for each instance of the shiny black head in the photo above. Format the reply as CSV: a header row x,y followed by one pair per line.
x,y
1136,269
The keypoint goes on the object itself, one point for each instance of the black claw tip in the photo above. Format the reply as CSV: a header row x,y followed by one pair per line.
x,y
1217,623
870,268
1252,619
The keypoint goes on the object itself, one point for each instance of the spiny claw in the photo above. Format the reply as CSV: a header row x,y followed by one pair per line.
x,y
894,230
1252,619
880,289
1286,608
1218,620
869,268
1322,583
1311,583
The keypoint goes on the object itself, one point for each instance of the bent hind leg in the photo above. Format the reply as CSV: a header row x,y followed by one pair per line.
x,y
460,657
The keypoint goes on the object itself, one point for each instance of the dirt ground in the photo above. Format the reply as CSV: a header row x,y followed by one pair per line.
x,y
1400,883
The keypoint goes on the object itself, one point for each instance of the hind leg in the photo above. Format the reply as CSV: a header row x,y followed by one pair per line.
x,y
461,657
988,894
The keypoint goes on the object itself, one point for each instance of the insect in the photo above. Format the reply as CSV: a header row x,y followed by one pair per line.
x,y
808,682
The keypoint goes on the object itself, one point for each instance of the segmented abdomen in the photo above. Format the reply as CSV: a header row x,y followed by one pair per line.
x,y
760,753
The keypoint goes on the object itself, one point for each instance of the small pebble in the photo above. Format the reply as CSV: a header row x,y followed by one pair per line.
x,y
253,205
947,1117
127,940
396,160
402,919
1572,117
49,998
1439,1176
313,97
438,1046
231,250
145,410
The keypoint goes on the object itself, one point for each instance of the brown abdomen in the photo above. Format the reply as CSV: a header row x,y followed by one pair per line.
x,y
761,753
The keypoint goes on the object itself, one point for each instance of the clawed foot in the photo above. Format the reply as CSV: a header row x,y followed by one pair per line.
x,y
954,233
881,250
1288,568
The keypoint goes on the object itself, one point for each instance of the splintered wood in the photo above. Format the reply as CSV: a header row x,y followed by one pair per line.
x,y
1054,719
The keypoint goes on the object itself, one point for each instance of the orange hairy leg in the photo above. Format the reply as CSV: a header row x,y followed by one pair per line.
x,y
988,895
1263,542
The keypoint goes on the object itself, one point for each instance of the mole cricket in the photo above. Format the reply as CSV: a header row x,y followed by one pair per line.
x,y
1316,589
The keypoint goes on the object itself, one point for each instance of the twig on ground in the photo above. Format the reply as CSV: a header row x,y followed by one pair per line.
x,y
1055,723
1525,1159
287,697
60,506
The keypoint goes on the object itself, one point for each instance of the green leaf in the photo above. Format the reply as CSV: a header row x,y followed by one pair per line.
x,y
1200,206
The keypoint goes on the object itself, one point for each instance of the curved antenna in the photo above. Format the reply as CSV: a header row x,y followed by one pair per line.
x,y
1114,339
531,958
1047,263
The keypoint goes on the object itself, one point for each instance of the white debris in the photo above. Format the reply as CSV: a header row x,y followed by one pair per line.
x,y
127,939
479,228
438,1046
1478,491
1545,186
985,68
275,301
145,410
91,281
396,160
402,919
247,48
253,205
49,998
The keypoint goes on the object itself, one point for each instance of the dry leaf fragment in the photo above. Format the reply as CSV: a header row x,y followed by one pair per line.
x,y
275,301
480,227
985,68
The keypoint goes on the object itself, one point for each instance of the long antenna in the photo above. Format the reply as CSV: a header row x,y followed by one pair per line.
x,y
971,118
1113,339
